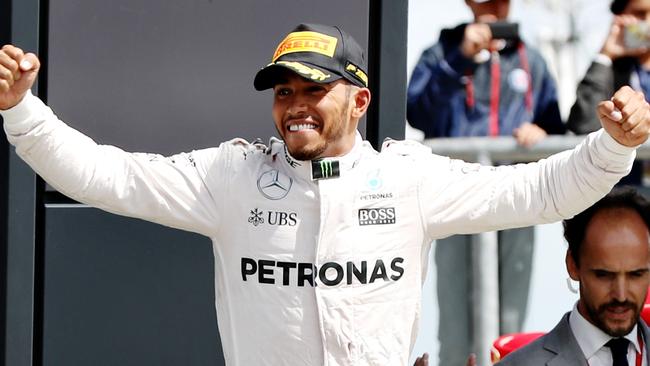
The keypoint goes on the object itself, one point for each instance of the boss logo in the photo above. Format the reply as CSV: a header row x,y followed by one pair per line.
x,y
376,216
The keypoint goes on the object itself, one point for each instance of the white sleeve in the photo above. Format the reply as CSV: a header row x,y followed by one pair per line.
x,y
170,191
462,198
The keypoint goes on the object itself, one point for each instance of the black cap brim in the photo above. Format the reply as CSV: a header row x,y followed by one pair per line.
x,y
274,73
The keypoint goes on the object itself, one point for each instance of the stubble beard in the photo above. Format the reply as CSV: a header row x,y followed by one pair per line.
x,y
600,321
306,154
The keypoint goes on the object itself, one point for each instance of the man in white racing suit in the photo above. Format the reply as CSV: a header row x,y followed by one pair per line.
x,y
320,242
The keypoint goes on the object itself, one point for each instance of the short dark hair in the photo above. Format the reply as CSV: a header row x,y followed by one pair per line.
x,y
618,6
623,197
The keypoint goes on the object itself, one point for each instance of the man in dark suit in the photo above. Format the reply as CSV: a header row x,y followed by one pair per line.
x,y
609,255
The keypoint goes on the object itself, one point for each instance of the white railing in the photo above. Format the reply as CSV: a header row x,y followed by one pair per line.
x,y
506,149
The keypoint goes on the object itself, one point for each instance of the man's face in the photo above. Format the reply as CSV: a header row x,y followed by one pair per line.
x,y
314,120
640,9
613,270
489,11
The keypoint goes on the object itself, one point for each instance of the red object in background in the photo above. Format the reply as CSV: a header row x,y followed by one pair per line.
x,y
645,313
510,342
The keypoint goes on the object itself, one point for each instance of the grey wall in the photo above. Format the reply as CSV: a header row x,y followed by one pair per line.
x,y
125,292
5,36
21,229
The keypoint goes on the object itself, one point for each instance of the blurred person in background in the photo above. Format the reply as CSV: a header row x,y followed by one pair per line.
x,y
472,84
624,59
481,79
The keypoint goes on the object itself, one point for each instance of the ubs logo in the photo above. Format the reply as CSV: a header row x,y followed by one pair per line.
x,y
376,216
274,185
273,218
256,217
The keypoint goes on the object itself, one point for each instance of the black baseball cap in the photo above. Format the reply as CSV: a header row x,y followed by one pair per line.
x,y
319,53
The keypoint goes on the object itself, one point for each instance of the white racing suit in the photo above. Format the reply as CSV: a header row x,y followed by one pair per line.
x,y
316,272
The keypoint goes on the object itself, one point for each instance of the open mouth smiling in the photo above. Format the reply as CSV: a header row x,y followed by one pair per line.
x,y
302,127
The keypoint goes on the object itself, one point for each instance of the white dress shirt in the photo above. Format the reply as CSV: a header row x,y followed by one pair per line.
x,y
592,341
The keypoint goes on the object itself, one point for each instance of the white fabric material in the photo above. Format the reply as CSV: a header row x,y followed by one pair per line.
x,y
365,235
592,341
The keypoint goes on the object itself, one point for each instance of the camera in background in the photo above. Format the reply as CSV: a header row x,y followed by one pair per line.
x,y
504,30
637,35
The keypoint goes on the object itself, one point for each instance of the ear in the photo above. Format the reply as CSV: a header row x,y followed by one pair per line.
x,y
361,102
571,266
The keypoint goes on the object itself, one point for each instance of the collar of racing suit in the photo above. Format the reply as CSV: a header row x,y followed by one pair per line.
x,y
327,168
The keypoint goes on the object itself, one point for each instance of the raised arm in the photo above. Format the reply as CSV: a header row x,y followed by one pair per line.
x,y
469,198
173,191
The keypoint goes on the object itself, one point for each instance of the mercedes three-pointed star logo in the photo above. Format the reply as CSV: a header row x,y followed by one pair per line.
x,y
274,185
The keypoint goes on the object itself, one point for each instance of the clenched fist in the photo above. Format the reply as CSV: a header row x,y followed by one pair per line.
x,y
18,72
626,117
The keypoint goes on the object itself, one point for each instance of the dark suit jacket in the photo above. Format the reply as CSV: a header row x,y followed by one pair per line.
x,y
558,348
